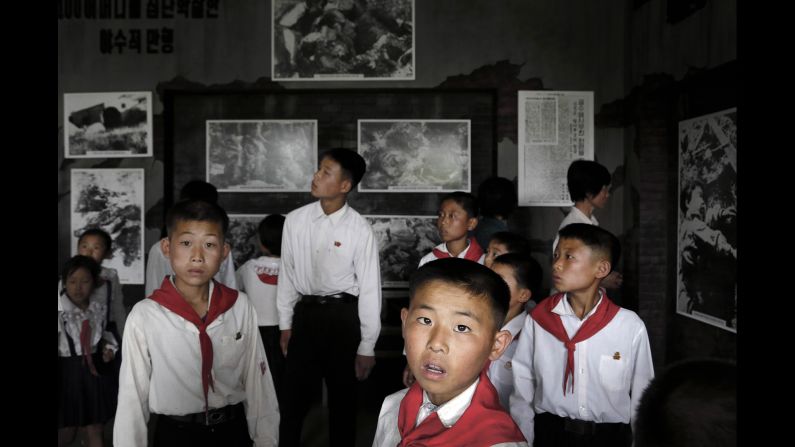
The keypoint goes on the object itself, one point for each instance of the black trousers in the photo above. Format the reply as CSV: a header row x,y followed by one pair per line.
x,y
555,431
172,433
273,352
323,345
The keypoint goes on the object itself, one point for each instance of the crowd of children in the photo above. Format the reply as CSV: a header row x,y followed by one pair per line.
x,y
224,358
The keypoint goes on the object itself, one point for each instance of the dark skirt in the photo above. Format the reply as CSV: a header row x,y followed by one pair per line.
x,y
85,399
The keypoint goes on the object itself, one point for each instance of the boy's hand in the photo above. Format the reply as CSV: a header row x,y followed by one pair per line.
x,y
285,340
408,377
107,355
364,364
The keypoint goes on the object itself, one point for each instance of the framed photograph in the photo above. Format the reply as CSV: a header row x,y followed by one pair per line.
x,y
261,155
415,155
243,238
402,242
107,125
335,40
555,128
706,286
113,200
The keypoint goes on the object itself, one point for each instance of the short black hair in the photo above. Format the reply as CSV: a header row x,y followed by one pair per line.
x,y
270,233
586,177
692,403
199,190
497,197
102,234
515,243
197,210
352,164
597,239
81,262
526,271
477,280
464,199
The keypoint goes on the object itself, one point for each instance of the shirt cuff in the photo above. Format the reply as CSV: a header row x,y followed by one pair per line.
x,y
366,348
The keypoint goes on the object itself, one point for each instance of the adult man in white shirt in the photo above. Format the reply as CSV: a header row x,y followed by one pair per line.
x,y
328,299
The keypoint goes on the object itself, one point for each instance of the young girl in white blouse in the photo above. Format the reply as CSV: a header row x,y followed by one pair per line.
x,y
86,397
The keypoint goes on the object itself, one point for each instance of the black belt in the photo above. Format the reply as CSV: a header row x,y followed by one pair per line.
x,y
337,298
578,426
213,417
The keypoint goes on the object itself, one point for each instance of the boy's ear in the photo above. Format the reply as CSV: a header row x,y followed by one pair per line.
x,y
227,249
524,295
501,341
602,268
165,246
346,185
404,313
472,223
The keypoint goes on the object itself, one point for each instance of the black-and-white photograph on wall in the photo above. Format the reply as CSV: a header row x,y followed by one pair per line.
x,y
243,237
416,155
261,155
707,219
107,125
555,128
402,242
113,200
333,40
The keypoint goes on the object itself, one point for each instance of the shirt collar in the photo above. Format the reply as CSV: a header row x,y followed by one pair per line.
x,y
451,411
563,307
582,215
209,291
443,247
516,323
335,217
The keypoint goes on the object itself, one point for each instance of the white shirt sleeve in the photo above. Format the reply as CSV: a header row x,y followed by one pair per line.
x,y
262,410
368,275
286,293
132,412
642,373
521,400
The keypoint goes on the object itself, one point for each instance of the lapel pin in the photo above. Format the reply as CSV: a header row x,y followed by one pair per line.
x,y
617,356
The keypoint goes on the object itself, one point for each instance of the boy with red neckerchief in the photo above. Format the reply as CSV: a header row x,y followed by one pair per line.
x,y
582,362
458,215
452,332
192,353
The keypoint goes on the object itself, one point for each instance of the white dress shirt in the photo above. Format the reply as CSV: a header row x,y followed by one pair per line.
x,y
501,370
574,216
70,321
611,370
161,371
262,295
158,267
329,254
387,433
443,247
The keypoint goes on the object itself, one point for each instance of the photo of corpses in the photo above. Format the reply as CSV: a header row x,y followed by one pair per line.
x,y
707,226
415,155
113,200
402,242
261,155
243,237
117,124
342,40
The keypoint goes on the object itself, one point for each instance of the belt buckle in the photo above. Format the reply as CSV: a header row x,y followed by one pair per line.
x,y
215,418
323,299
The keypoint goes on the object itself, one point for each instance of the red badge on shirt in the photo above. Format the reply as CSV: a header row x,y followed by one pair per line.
x,y
337,243
262,367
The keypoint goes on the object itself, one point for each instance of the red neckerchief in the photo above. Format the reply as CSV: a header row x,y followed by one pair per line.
x,y
223,299
484,422
85,346
551,322
268,279
473,253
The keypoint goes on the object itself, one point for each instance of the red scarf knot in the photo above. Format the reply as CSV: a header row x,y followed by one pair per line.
x,y
551,322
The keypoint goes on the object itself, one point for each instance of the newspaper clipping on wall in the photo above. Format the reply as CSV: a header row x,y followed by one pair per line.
x,y
555,128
